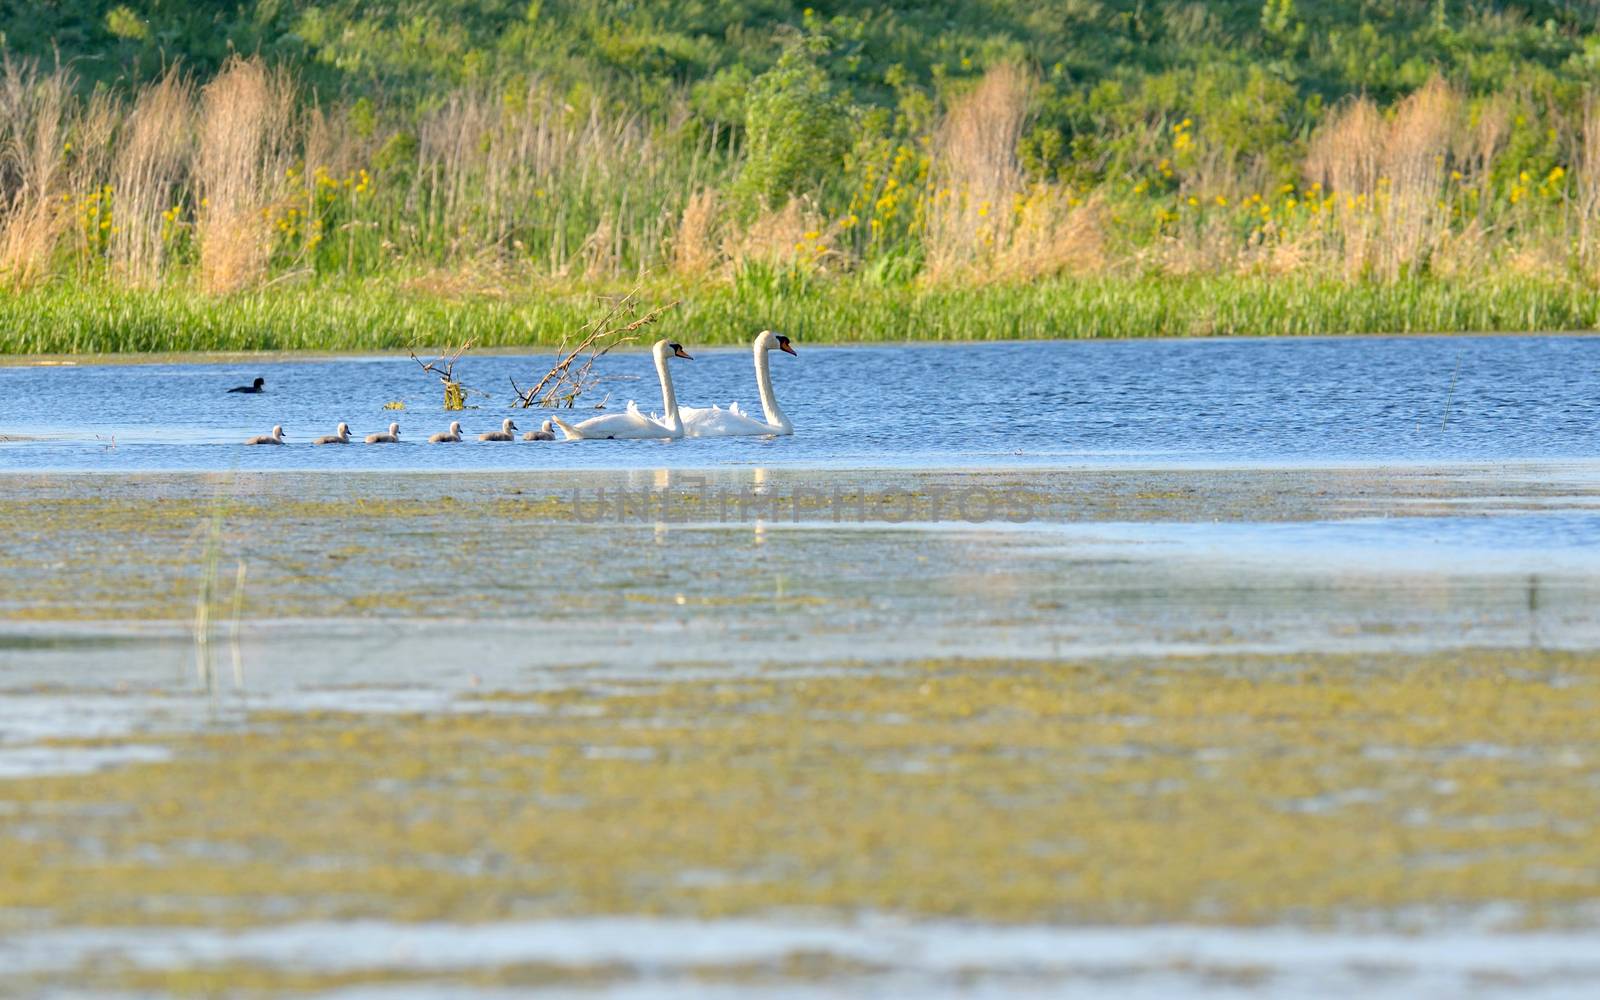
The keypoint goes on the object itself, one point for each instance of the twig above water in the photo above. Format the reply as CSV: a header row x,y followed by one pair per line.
x,y
571,377
444,366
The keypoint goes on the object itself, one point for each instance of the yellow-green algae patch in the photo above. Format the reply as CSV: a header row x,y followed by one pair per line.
x,y
234,978
245,978
1219,789
371,544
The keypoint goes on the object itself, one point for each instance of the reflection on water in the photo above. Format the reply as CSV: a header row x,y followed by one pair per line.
x,y
883,957
981,405
1560,544
380,578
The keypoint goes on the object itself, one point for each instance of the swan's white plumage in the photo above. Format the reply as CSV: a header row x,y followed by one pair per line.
x,y
632,422
714,421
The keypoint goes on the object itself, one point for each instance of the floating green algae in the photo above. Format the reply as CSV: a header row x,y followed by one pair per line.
x,y
1250,789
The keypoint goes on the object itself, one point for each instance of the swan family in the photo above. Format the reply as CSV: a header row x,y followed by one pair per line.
x,y
674,421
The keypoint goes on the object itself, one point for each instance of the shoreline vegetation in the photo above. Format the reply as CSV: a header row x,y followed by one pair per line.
x,y
1241,169
72,319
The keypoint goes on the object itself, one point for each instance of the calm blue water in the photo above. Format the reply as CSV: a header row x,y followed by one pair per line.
x,y
1302,401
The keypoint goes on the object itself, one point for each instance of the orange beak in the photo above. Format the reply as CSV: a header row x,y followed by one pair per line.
x,y
785,348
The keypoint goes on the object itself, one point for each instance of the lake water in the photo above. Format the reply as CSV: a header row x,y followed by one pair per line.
x,y
1253,579
1149,403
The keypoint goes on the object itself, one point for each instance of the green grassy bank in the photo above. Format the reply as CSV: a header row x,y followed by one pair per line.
x,y
71,319
346,175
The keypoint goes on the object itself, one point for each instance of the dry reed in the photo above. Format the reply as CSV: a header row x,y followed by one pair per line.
x,y
1052,233
776,237
239,171
976,174
694,249
1345,157
601,253
502,189
1461,253
1586,175
1488,136
151,168
1415,157
34,110
488,164
85,197
331,150
1387,178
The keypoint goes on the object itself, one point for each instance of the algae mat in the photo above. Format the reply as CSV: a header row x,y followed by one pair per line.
x,y
1403,792
1201,732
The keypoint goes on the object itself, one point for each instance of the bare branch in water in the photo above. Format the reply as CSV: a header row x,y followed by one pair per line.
x,y
573,375
444,366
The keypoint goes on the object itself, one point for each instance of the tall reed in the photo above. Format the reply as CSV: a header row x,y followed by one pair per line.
x,y
1415,157
495,169
240,170
34,111
506,185
151,170
1587,177
976,174
1386,179
694,249
1346,158
1051,231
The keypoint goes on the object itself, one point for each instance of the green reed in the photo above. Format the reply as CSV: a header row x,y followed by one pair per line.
x,y
69,319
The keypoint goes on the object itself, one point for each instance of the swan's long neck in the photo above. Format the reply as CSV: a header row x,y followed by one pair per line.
x,y
669,398
769,399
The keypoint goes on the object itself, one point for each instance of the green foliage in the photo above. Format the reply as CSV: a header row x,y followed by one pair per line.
x,y
795,129
124,23
363,119
1177,124
1259,71
722,98
64,319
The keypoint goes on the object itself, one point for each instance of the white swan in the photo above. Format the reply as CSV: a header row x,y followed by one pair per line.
x,y
276,437
631,423
503,434
392,437
340,436
451,436
714,421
